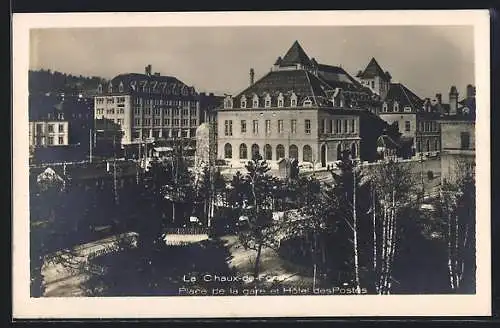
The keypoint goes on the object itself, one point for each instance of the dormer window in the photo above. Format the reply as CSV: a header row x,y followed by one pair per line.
x,y
293,100
407,109
99,88
110,88
307,103
255,101
280,100
243,103
384,107
268,101
228,102
184,91
396,107
120,87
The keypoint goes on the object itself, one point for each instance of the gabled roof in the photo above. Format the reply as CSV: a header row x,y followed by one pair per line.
x,y
373,69
295,55
128,79
404,96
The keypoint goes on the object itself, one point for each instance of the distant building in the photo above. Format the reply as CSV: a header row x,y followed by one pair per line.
x,y
151,106
375,78
48,133
458,139
300,110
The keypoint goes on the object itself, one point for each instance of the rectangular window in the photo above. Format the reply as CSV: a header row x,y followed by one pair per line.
x,y
177,111
338,126
185,112
407,126
294,126
228,127
184,122
193,122
50,141
464,140
421,126
166,121
137,121
157,111
51,128
137,111
307,126
193,112
243,126
157,121
353,126
176,121
255,127
61,140
322,126
330,127
61,127
280,126
345,126
268,126
39,128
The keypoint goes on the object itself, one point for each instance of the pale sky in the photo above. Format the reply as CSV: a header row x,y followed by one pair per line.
x,y
427,59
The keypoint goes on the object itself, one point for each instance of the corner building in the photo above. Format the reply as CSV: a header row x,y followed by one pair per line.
x,y
300,109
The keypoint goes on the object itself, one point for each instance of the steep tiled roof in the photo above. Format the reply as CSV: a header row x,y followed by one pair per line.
x,y
337,77
131,80
373,69
295,55
404,96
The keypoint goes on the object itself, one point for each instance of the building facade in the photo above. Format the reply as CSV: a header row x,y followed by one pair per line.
x,y
48,133
458,140
150,106
299,110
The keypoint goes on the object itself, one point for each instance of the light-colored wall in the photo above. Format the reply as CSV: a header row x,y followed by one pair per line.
x,y
45,134
450,134
401,118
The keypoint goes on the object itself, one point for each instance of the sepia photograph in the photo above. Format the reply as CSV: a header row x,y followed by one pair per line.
x,y
251,164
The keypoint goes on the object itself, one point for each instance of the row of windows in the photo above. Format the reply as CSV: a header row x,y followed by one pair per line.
x,y
395,108
332,126
428,146
110,111
166,121
293,152
165,133
431,126
337,126
168,102
256,103
50,128
166,111
39,141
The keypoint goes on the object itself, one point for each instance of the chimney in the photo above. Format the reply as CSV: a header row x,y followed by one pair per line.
x,y
453,100
439,98
148,70
252,75
471,91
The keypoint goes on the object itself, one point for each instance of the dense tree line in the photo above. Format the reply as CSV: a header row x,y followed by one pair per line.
x,y
43,81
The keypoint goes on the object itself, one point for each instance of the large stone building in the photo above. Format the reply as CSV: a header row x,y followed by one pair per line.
x,y
301,109
151,107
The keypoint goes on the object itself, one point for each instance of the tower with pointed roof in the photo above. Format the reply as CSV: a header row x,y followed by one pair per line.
x,y
375,78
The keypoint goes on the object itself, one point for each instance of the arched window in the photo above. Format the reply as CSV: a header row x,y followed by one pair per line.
x,y
110,88
280,100
354,152
243,102
99,88
268,152
255,150
228,151
293,100
120,87
267,101
293,152
280,152
384,107
307,153
243,151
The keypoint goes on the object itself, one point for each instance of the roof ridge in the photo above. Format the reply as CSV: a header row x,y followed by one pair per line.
x,y
310,86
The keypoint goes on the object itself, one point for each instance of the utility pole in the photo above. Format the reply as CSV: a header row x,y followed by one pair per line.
x,y
90,145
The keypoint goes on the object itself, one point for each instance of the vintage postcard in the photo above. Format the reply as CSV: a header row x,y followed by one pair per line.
x,y
251,164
